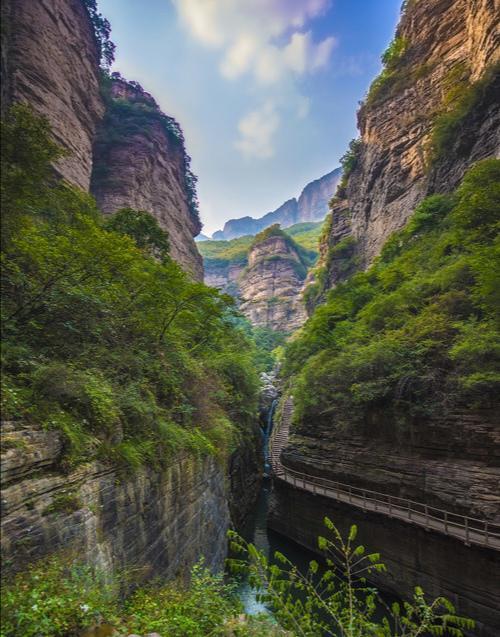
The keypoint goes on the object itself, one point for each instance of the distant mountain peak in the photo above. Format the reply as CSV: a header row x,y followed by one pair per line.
x,y
312,205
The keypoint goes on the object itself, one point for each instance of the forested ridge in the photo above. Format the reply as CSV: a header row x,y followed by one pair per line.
x,y
416,335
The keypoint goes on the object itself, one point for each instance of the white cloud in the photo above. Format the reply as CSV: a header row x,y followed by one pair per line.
x,y
268,41
260,37
256,131
302,55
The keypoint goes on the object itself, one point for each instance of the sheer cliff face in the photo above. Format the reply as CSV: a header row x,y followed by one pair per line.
x,y
139,163
446,42
312,205
50,60
157,522
314,199
271,286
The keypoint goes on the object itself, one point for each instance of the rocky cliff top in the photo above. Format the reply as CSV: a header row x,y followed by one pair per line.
x,y
270,287
140,162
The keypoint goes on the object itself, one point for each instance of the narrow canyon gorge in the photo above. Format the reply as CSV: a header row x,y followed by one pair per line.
x,y
161,392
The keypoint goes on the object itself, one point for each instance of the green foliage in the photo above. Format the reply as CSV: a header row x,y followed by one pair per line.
x,y
460,99
267,341
336,599
340,261
392,75
59,596
306,257
394,52
235,251
64,502
349,161
123,353
307,235
340,258
197,611
222,253
56,597
102,32
143,229
271,231
416,334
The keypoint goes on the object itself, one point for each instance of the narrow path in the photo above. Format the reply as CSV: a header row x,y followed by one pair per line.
x,y
467,529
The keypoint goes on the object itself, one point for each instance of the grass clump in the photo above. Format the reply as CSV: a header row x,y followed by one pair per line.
x,y
198,610
392,60
348,161
67,502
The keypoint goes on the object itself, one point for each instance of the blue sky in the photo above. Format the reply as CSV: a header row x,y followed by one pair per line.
x,y
266,91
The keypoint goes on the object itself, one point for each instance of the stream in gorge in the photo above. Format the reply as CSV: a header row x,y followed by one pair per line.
x,y
255,529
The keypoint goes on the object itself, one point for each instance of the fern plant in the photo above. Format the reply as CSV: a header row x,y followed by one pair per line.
x,y
336,598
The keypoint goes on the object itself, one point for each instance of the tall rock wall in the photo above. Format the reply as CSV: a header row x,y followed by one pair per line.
x,y
313,202
158,522
451,462
140,162
50,60
444,61
270,287
447,46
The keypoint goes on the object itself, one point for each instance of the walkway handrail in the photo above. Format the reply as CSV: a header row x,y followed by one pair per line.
x,y
469,529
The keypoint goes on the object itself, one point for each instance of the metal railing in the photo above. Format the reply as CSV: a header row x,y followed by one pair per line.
x,y
469,529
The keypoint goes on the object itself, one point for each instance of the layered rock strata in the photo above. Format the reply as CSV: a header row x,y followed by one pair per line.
x,y
245,476
447,46
50,60
451,463
158,523
225,277
140,162
270,288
